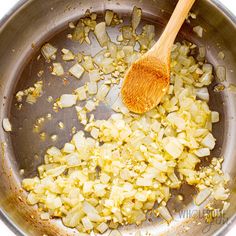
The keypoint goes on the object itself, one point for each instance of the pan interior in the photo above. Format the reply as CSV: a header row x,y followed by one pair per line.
x,y
29,148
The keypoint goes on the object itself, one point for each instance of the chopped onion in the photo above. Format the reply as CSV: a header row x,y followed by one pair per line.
x,y
202,52
79,32
226,206
87,223
99,57
202,152
232,88
90,105
221,73
94,132
91,212
109,16
76,70
94,75
53,151
127,32
204,80
112,47
102,92
202,93
92,88
6,125
202,196
192,15
198,30
207,68
136,17
107,66
88,63
102,227
165,214
71,25
68,148
49,51
67,100
45,216
221,55
57,69
215,117
115,233
128,50
208,141
147,36
81,92
67,55
101,34
220,193
173,146
119,106
115,171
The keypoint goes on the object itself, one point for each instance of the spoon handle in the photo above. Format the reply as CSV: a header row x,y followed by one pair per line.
x,y
164,44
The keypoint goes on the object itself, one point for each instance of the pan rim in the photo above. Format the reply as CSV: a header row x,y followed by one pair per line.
x,y
3,22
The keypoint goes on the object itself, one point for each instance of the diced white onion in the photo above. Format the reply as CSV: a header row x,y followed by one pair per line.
x,y
76,70
87,223
112,47
68,148
57,69
67,100
136,17
101,34
215,117
90,105
6,125
202,93
94,75
220,193
209,141
202,196
92,88
94,132
138,233
232,88
198,30
102,92
115,233
53,151
45,216
81,92
48,51
221,73
118,168
118,106
202,52
202,152
67,55
165,214
88,63
173,146
109,16
102,227
221,55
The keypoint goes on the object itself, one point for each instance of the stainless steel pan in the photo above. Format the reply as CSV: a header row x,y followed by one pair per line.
x,y
33,22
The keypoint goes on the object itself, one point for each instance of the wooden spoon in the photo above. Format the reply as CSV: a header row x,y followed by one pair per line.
x,y
147,80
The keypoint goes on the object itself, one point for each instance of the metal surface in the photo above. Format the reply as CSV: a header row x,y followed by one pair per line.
x,y
21,35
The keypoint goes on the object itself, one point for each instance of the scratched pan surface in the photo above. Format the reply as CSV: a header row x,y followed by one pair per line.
x,y
35,22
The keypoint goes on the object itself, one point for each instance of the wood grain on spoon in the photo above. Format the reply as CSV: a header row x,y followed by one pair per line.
x,y
147,80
